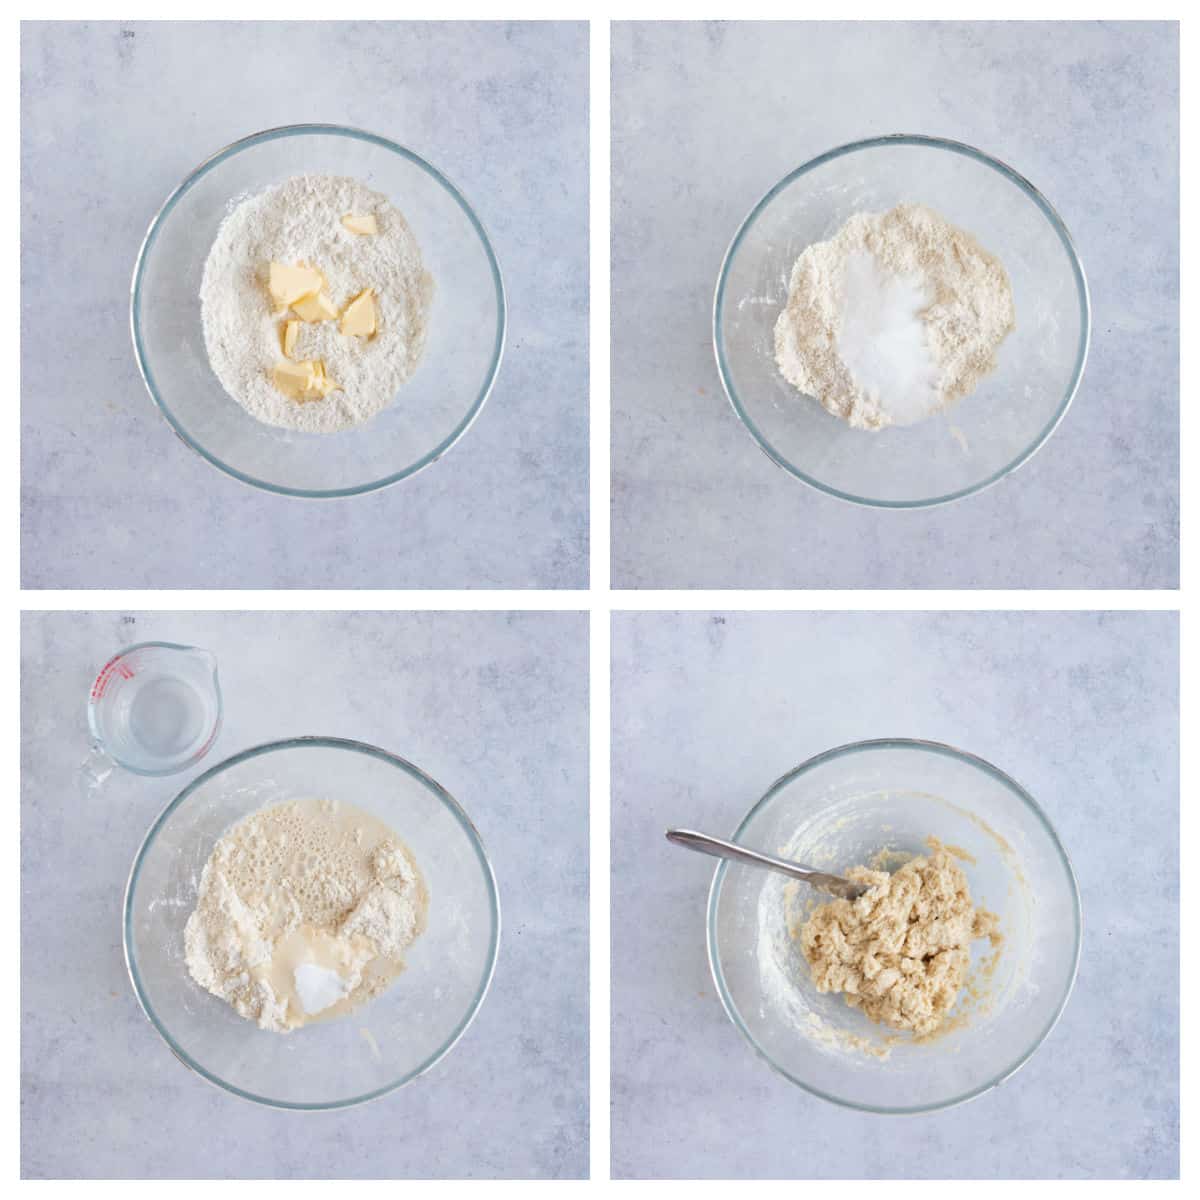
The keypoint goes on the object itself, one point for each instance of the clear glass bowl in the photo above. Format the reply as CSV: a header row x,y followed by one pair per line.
x,y
389,1041
839,809
975,442
433,409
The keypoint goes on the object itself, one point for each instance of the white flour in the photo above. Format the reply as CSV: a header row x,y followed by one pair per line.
x,y
897,316
300,220
304,911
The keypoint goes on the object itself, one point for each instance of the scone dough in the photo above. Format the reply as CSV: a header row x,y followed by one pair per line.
x,y
901,951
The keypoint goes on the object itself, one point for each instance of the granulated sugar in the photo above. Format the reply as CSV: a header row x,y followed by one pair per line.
x,y
896,316
882,339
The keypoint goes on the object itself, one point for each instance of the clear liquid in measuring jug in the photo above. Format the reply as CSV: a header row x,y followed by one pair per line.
x,y
158,719
156,707
166,716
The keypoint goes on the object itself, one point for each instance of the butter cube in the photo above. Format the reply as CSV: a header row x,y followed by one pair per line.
x,y
364,225
303,380
359,317
315,308
293,378
291,330
289,284
321,384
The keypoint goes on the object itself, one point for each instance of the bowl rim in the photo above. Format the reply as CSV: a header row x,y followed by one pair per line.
x,y
274,134
315,742
954,147
924,746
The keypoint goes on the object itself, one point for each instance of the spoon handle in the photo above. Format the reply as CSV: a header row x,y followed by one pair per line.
x,y
719,848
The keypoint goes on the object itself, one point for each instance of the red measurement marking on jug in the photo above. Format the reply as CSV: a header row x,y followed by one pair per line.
x,y
114,666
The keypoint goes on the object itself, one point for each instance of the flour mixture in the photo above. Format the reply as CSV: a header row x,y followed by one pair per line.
x,y
897,316
315,303
304,912
901,951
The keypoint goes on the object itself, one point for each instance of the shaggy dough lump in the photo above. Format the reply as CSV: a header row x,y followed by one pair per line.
x,y
901,951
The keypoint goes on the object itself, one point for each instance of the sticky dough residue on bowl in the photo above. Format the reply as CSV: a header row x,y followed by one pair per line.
x,y
850,833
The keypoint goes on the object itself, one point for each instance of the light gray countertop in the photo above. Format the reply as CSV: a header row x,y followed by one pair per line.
x,y
113,117
1082,709
707,117
494,707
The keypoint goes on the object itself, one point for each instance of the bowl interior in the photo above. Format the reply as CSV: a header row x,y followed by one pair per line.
x,y
388,1041
982,437
462,351
841,810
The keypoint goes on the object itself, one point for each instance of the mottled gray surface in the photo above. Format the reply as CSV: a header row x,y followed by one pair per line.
x,y
1081,708
113,117
493,706
706,118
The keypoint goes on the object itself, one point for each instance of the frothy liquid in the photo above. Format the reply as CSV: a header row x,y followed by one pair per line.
x,y
302,894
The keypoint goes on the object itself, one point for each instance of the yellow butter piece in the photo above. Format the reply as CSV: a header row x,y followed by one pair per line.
x,y
293,379
360,224
291,331
321,384
289,284
359,316
315,308
303,380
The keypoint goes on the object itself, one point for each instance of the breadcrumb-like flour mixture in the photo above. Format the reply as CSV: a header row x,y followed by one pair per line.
x,y
894,318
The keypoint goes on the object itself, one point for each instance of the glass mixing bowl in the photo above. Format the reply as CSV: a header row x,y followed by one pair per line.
x,y
839,809
391,1039
433,409
973,443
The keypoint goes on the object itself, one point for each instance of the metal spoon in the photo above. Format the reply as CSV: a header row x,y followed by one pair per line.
x,y
834,884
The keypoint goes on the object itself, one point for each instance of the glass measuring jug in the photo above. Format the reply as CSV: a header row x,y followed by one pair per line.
x,y
155,708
